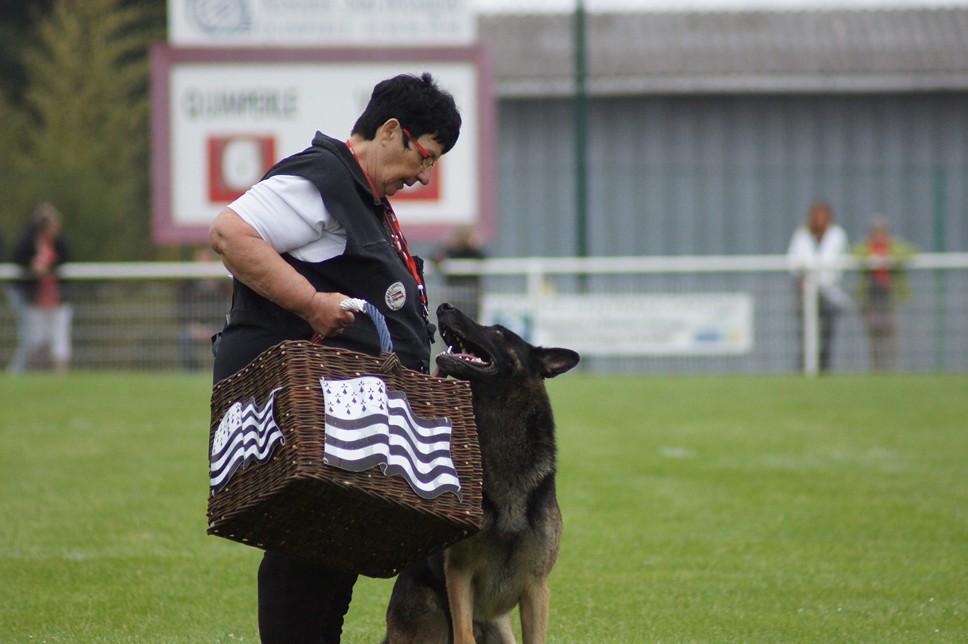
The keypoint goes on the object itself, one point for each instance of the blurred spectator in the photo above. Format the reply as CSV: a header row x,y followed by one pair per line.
x,y
8,289
881,286
43,315
463,291
819,241
201,312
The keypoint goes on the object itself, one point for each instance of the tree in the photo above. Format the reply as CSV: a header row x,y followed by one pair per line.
x,y
16,18
10,220
87,135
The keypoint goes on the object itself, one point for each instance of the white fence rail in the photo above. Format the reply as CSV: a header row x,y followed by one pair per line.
x,y
710,314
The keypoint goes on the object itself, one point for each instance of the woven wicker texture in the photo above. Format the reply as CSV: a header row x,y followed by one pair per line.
x,y
363,522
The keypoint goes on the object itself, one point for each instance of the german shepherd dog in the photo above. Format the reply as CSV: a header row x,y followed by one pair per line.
x,y
467,592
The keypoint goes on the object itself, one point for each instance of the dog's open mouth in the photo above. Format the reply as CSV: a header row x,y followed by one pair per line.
x,y
461,354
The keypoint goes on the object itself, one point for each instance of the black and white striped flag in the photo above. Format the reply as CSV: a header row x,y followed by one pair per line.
x,y
245,433
368,426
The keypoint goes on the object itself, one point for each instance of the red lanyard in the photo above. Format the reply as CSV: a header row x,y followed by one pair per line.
x,y
399,241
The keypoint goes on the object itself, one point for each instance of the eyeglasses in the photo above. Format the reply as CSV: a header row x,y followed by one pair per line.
x,y
428,160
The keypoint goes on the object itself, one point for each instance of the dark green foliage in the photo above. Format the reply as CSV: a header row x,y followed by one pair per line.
x,y
82,131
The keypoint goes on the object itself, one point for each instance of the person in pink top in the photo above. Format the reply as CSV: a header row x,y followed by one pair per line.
x,y
45,317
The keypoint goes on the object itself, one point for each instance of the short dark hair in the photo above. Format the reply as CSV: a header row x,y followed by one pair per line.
x,y
418,103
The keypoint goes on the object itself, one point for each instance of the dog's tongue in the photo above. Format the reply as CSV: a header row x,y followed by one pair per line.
x,y
438,373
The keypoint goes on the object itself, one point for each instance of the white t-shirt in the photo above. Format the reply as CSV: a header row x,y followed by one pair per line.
x,y
289,214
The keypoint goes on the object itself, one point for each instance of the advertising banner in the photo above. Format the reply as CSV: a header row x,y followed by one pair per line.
x,y
222,117
320,23
624,325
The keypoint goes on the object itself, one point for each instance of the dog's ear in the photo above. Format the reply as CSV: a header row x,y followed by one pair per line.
x,y
554,362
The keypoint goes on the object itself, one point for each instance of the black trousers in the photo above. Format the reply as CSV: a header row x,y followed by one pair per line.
x,y
301,603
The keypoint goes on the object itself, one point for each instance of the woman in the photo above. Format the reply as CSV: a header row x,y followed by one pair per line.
x,y
44,317
818,245
317,230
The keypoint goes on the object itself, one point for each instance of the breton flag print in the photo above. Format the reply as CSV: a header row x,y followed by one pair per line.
x,y
246,433
368,426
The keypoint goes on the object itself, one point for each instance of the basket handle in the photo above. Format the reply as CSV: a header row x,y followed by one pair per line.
x,y
379,321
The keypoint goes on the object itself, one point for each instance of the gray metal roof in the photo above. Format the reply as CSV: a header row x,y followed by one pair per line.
x,y
838,50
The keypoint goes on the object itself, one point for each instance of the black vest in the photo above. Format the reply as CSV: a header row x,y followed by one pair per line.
x,y
370,268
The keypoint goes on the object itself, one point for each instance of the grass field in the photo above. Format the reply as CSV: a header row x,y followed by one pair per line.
x,y
697,509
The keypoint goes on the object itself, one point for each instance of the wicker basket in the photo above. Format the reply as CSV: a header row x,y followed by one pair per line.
x,y
362,522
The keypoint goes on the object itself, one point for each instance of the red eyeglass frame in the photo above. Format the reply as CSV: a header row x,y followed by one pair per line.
x,y
420,149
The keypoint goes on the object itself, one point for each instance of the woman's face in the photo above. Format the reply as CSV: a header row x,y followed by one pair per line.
x,y
50,230
403,163
819,220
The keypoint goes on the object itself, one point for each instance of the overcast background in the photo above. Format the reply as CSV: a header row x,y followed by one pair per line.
x,y
524,6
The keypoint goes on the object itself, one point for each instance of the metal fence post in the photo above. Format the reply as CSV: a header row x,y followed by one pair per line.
x,y
811,321
536,288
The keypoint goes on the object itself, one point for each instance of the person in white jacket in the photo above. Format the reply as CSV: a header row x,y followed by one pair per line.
x,y
819,242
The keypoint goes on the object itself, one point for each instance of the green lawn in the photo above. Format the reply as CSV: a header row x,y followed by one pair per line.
x,y
697,509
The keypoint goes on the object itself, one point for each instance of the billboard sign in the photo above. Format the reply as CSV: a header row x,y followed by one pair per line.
x,y
320,23
222,117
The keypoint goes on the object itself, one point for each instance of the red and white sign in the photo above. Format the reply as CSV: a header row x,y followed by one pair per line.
x,y
236,162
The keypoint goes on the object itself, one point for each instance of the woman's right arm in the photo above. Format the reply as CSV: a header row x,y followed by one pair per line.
x,y
252,261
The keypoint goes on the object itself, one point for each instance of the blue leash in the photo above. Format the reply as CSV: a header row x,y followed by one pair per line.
x,y
380,322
